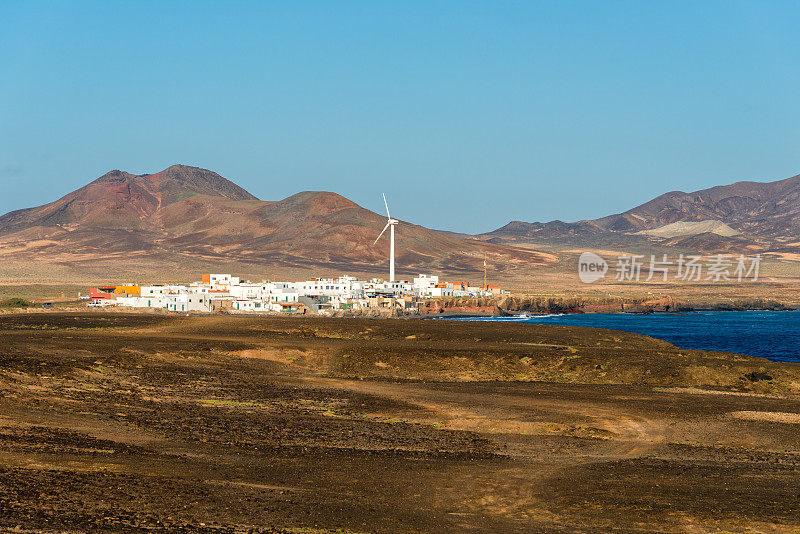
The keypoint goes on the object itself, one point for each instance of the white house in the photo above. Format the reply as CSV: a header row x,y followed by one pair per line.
x,y
248,291
281,295
157,301
186,302
399,287
423,283
446,291
153,291
220,281
249,305
344,286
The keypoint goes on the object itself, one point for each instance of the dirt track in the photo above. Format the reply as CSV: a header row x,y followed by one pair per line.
x,y
149,423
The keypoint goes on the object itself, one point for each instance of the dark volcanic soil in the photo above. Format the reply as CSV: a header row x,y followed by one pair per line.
x,y
134,423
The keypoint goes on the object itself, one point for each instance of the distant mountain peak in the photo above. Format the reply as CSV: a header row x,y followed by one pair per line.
x,y
174,183
196,180
190,215
766,214
112,176
119,199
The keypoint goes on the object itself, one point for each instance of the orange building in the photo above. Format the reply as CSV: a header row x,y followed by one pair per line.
x,y
129,291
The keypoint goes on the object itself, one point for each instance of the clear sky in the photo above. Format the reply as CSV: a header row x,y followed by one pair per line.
x,y
467,114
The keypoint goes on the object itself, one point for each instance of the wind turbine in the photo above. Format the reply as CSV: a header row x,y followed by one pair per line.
x,y
389,224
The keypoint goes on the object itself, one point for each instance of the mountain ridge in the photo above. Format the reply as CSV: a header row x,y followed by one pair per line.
x,y
766,214
187,215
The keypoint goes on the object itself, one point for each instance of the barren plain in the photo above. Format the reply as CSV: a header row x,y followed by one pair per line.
x,y
151,423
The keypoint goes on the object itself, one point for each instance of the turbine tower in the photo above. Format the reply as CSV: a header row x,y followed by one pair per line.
x,y
389,224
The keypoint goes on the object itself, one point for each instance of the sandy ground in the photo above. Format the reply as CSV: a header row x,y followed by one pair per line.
x,y
54,274
135,423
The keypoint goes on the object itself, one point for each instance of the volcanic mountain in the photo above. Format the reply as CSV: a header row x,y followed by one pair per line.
x,y
753,215
189,218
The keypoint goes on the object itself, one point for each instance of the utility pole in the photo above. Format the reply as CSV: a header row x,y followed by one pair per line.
x,y
485,288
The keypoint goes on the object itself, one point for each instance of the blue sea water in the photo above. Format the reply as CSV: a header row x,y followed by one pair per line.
x,y
774,335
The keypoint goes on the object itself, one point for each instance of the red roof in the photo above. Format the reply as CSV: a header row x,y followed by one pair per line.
x,y
96,293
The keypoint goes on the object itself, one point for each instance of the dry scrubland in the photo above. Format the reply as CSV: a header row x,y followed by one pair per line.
x,y
51,278
137,423
779,280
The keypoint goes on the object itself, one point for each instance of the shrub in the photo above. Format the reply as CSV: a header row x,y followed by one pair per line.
x,y
14,302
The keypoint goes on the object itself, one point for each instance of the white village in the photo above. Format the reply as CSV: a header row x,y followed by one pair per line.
x,y
225,293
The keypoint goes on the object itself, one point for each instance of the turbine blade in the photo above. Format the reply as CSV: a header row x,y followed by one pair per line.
x,y
382,231
387,205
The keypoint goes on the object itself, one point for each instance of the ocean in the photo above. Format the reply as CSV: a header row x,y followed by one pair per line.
x,y
774,335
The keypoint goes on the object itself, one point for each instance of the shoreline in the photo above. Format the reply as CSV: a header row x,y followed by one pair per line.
x,y
443,313
450,315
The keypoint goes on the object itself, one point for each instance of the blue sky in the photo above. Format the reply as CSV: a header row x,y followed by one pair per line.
x,y
467,114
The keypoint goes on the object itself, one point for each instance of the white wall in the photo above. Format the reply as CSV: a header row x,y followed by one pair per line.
x,y
157,301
